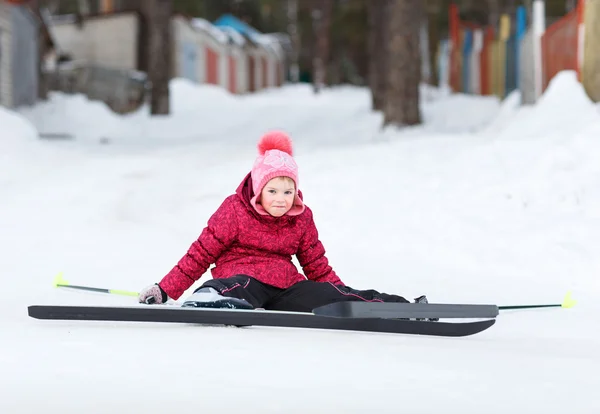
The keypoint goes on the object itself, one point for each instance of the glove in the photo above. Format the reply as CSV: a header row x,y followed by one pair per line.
x,y
153,295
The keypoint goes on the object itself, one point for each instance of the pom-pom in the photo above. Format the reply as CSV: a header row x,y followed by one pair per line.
x,y
275,140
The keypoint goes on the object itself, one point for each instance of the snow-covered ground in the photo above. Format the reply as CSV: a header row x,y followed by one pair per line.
x,y
487,202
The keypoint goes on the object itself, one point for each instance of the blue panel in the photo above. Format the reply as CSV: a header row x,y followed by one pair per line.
x,y
228,20
521,29
466,66
188,59
510,78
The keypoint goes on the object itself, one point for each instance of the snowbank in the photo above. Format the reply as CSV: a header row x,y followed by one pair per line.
x,y
207,112
15,128
17,139
563,109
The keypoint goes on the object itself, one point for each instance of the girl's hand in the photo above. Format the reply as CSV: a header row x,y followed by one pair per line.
x,y
152,295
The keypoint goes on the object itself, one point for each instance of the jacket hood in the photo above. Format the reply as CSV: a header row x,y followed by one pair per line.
x,y
250,200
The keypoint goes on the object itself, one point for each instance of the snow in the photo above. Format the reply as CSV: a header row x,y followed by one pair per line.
x,y
205,25
487,202
269,41
234,35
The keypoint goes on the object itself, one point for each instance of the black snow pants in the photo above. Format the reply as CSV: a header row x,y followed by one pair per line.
x,y
304,296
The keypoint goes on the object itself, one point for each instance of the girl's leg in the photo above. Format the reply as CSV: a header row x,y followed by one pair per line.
x,y
242,289
308,295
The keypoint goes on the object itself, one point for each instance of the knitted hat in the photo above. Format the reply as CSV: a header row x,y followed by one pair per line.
x,y
274,160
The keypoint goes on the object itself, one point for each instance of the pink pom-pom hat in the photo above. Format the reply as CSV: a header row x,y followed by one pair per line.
x,y
274,159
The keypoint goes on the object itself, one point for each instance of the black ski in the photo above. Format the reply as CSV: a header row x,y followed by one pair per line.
x,y
239,317
406,310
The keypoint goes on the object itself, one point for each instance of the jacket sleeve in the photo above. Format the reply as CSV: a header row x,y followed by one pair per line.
x,y
311,255
218,235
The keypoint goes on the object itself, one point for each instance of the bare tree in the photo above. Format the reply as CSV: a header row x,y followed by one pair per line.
x,y
404,64
83,6
493,12
292,15
434,8
45,47
378,18
158,17
322,27
52,6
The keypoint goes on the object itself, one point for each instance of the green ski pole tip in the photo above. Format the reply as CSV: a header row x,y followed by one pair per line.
x,y
58,280
568,301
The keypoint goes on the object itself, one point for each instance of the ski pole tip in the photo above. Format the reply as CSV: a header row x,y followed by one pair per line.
x,y
568,301
58,280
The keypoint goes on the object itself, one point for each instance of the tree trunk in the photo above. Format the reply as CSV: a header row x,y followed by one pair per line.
x,y
44,50
493,14
83,6
292,16
404,63
337,51
158,16
510,8
322,27
378,19
433,44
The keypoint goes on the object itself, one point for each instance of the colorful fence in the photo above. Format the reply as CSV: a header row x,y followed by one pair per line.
x,y
559,47
481,62
497,61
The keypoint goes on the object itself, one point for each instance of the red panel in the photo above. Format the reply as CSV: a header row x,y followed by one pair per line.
x,y
232,70
265,69
580,17
251,73
559,47
212,66
484,60
455,70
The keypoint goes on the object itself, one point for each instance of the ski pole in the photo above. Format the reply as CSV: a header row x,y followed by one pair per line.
x,y
60,282
567,302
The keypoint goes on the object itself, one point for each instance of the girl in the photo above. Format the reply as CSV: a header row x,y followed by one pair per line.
x,y
251,239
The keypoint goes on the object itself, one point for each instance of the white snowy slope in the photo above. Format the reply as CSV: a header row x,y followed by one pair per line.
x,y
485,203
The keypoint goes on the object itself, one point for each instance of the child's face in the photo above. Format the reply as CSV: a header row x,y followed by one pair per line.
x,y
277,197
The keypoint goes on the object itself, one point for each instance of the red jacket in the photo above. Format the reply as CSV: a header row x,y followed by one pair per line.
x,y
238,240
